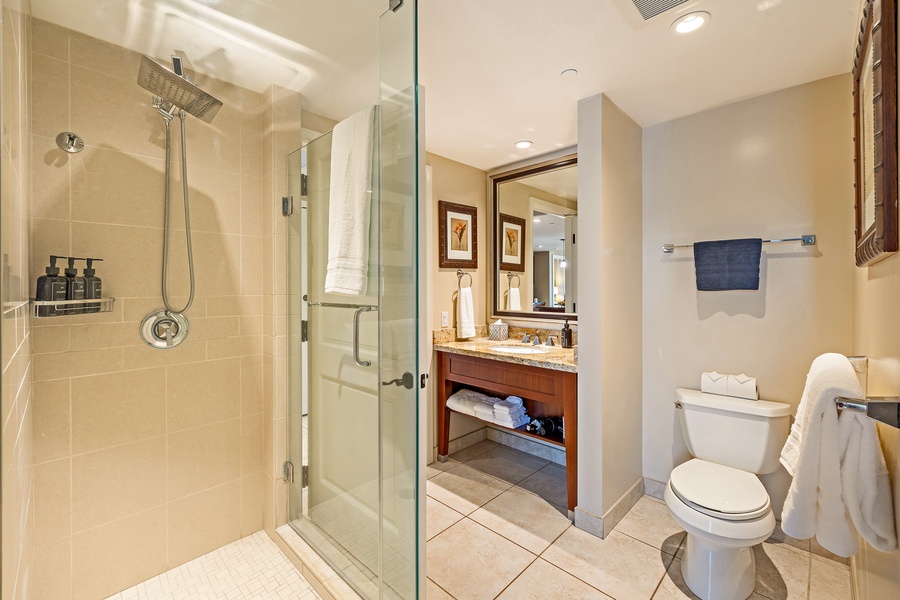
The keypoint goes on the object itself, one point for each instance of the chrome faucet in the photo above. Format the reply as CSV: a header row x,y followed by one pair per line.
x,y
550,339
526,339
536,340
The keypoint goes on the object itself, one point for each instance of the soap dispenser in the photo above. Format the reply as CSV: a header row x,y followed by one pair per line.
x,y
93,287
74,288
565,336
50,287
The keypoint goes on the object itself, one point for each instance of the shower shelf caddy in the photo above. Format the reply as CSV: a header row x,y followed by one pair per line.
x,y
65,307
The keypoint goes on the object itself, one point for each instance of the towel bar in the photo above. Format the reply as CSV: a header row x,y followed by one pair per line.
x,y
805,240
509,278
885,409
459,275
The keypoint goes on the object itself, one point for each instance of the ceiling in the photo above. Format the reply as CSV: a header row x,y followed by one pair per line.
x,y
491,69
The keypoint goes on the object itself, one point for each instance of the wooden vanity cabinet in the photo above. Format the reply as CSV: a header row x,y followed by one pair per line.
x,y
546,392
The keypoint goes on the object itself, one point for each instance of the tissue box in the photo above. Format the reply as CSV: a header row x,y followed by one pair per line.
x,y
499,332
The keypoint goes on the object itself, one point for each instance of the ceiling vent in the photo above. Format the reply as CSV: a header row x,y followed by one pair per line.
x,y
652,8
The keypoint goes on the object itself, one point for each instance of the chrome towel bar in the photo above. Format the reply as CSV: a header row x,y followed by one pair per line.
x,y
805,240
885,409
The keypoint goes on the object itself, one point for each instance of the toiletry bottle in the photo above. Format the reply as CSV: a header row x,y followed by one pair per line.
x,y
74,288
51,286
93,287
565,337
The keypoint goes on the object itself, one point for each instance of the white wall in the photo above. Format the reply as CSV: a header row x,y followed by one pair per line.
x,y
779,165
609,376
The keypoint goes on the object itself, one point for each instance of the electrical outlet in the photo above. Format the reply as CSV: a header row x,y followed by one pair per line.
x,y
445,319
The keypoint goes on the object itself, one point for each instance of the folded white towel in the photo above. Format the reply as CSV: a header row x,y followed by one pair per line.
x,y
465,314
741,386
714,383
507,407
812,454
865,482
514,299
349,204
464,401
514,400
513,423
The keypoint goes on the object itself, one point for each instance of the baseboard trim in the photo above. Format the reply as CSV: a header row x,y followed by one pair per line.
x,y
602,526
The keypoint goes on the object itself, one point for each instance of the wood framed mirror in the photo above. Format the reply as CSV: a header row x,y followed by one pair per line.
x,y
534,224
875,119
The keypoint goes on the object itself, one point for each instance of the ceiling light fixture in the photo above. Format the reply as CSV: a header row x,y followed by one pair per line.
x,y
569,74
562,265
690,22
524,144
536,220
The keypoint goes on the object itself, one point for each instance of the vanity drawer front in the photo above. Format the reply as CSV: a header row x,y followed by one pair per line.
x,y
512,379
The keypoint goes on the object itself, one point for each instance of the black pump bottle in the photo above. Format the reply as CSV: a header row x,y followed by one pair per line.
x,y
74,288
93,287
51,286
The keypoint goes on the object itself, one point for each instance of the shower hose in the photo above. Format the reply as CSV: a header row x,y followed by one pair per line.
x,y
187,219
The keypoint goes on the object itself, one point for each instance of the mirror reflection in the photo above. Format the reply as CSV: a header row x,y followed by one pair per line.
x,y
536,218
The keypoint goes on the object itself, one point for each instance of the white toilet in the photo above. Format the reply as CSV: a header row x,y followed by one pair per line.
x,y
716,496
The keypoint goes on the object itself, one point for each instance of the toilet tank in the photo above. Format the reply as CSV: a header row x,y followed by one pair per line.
x,y
739,433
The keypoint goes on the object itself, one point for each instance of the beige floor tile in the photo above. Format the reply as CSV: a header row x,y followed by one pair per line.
x,y
473,563
437,467
782,572
829,580
523,518
619,565
464,489
780,537
507,464
542,580
652,523
549,483
438,517
474,450
672,586
434,592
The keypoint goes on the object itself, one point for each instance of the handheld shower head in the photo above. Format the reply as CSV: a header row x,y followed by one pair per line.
x,y
177,90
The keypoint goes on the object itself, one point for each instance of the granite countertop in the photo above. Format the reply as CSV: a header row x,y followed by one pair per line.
x,y
556,357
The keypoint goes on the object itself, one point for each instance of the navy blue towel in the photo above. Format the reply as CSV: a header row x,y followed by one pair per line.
x,y
727,264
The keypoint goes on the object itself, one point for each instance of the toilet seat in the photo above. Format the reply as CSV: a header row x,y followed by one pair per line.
x,y
720,492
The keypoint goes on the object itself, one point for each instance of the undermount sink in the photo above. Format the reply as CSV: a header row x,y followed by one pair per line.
x,y
520,349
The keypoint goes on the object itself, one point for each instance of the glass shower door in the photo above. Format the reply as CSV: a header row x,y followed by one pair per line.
x,y
353,389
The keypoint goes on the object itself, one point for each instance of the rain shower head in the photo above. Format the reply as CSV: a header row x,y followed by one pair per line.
x,y
176,90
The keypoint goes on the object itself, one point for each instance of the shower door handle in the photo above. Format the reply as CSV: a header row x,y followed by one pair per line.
x,y
407,381
356,314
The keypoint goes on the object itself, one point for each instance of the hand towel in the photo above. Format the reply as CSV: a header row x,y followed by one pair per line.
x,y
514,400
812,454
741,386
514,299
465,314
507,408
865,482
464,401
714,383
350,204
727,264
513,423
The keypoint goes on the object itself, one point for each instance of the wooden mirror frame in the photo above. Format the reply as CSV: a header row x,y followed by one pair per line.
x,y
878,32
534,169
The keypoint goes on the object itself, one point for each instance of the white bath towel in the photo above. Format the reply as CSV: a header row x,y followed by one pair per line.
x,y
507,407
812,454
464,401
465,314
514,299
514,400
485,409
350,204
513,423
865,482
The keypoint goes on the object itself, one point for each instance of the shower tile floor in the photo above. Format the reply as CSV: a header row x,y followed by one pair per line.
x,y
496,529
252,567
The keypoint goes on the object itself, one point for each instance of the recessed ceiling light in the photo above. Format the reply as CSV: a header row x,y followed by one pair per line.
x,y
540,246
690,22
569,74
562,265
523,144
536,220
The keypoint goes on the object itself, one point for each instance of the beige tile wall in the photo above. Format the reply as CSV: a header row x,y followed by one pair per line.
x,y
17,400
145,458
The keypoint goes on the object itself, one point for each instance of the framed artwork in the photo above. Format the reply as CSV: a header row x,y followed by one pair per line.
x,y
875,119
458,236
512,243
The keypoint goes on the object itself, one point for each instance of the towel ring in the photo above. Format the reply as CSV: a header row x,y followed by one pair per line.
x,y
460,274
509,278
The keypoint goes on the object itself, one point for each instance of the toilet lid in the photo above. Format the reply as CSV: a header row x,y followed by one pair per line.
x,y
723,490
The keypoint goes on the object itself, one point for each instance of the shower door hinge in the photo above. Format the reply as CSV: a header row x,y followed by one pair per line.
x,y
304,476
287,205
396,4
303,180
304,330
289,471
